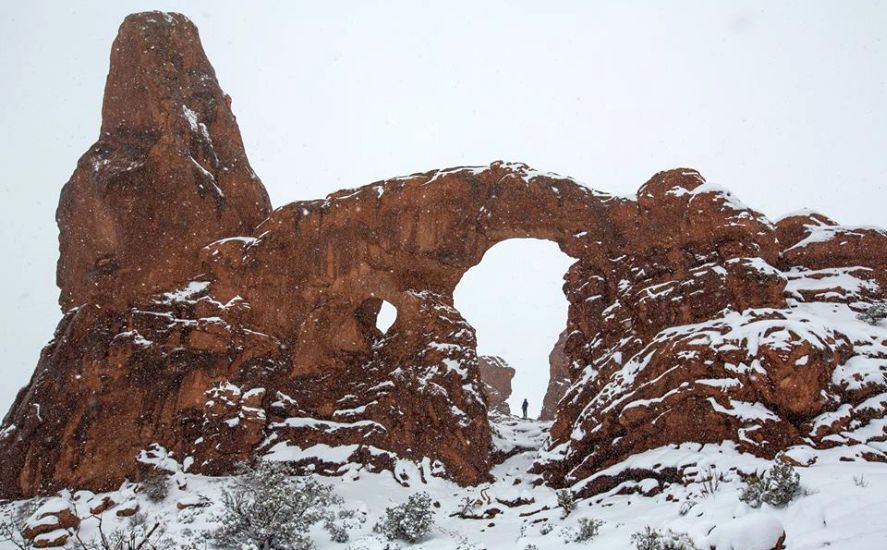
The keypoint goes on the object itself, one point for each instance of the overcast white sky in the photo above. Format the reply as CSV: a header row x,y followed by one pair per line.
x,y
783,102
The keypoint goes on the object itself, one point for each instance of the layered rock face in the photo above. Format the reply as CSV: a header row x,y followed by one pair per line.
x,y
496,377
167,175
558,378
200,327
703,339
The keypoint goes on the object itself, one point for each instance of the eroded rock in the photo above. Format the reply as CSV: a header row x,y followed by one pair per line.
x,y
558,378
496,376
207,328
167,175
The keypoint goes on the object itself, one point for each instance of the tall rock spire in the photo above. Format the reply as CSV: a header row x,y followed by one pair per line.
x,y
167,176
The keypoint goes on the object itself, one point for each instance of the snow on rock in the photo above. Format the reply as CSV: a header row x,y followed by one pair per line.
x,y
221,332
751,532
52,523
841,507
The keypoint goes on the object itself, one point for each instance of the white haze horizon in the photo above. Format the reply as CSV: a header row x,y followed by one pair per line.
x,y
781,102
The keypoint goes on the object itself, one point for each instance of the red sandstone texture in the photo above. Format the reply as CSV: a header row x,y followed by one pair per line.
x,y
558,378
167,175
199,326
496,376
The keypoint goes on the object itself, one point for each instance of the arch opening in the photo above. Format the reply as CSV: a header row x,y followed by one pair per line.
x,y
386,316
514,299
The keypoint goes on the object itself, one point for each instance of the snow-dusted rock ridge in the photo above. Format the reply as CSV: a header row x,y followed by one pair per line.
x,y
696,325
840,505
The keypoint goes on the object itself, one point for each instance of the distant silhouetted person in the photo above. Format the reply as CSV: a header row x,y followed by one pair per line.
x,y
524,407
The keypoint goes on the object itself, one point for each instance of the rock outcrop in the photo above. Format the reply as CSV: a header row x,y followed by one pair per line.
x,y
167,175
200,327
558,378
496,377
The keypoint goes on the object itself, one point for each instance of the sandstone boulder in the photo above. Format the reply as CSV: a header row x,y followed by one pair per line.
x,y
51,524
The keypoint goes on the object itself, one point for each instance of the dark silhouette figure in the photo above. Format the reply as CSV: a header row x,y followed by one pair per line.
x,y
524,407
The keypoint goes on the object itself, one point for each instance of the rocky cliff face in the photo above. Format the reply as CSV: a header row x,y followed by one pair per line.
x,y
496,377
167,175
200,326
558,378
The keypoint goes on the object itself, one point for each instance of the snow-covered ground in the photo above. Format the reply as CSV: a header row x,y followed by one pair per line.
x,y
842,505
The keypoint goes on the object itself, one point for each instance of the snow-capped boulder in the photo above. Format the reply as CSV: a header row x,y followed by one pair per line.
x,y
52,523
752,532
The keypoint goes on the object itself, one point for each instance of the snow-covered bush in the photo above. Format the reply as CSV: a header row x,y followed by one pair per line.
x,y
409,521
270,509
753,492
874,314
374,542
783,484
156,487
778,486
710,481
586,530
566,502
651,539
464,544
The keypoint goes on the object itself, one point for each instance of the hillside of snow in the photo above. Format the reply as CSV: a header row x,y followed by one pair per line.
x,y
841,505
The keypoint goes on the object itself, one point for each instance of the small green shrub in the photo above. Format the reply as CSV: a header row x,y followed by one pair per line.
x,y
587,529
156,487
874,314
566,502
651,539
777,487
409,521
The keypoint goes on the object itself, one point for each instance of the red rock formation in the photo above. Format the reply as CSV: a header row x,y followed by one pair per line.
x,y
167,175
496,376
692,318
52,524
558,378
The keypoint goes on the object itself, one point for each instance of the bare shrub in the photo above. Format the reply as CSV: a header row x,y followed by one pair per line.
x,y
139,536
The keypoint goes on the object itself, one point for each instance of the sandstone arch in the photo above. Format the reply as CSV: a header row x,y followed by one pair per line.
x,y
258,342
393,238
515,300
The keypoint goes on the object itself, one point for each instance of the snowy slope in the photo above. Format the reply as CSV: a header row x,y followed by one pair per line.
x,y
842,507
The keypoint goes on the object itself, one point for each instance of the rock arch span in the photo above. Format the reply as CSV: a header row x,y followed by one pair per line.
x,y
252,336
514,298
